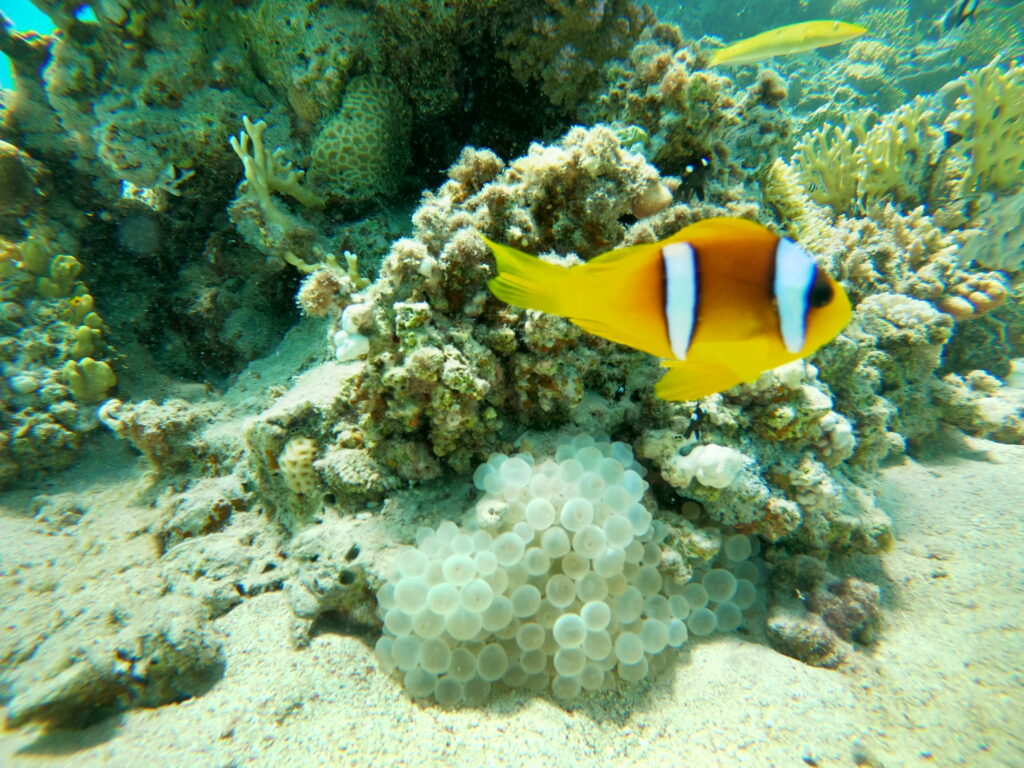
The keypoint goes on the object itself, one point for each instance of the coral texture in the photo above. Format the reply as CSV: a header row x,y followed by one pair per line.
x,y
54,357
362,151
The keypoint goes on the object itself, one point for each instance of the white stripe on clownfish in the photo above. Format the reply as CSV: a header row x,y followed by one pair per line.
x,y
794,276
681,291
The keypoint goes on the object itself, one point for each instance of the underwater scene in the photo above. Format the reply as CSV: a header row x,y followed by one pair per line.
x,y
554,383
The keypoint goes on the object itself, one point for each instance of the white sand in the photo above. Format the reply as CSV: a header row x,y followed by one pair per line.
x,y
942,688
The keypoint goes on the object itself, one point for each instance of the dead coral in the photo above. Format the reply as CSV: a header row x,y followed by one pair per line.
x,y
168,434
817,617
980,405
160,651
327,574
202,508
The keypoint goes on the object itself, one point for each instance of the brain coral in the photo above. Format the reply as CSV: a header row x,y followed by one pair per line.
x,y
362,151
307,52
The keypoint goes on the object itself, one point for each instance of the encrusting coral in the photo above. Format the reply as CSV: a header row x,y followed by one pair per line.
x,y
54,357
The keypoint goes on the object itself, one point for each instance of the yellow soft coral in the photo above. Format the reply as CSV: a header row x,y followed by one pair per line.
x,y
893,157
825,163
990,117
851,168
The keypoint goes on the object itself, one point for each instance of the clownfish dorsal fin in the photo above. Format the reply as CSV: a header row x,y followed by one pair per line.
x,y
620,254
721,227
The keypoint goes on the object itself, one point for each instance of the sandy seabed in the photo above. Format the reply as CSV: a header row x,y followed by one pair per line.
x,y
943,687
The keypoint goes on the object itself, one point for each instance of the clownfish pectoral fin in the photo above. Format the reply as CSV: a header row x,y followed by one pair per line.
x,y
694,380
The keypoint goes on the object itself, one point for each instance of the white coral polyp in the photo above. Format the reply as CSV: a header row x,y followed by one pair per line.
x,y
715,466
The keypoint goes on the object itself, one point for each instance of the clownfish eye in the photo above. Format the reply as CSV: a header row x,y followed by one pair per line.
x,y
821,291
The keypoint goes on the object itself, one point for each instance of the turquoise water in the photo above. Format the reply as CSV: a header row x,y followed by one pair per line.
x,y
24,16
517,383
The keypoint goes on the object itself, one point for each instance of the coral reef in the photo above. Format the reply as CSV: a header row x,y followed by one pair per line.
x,y
566,43
308,52
54,357
685,114
773,460
311,367
996,241
434,371
431,382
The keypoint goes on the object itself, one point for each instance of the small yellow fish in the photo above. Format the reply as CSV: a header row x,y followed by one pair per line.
x,y
722,301
793,38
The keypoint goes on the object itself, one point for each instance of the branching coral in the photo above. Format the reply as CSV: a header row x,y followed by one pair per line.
x,y
269,172
990,117
853,167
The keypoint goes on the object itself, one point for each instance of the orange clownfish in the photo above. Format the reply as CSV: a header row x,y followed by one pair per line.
x,y
722,301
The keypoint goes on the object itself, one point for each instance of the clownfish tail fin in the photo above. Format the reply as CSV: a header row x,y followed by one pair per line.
x,y
527,282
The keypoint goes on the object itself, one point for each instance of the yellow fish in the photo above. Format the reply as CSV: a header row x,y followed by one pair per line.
x,y
793,38
722,301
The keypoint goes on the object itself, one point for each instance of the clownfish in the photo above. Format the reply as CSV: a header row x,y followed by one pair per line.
x,y
721,301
